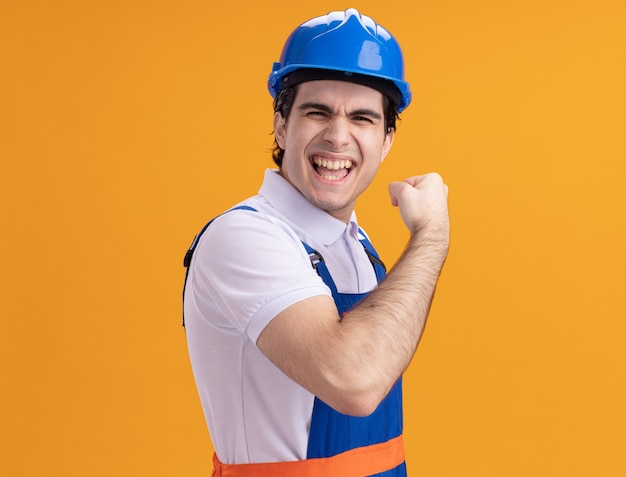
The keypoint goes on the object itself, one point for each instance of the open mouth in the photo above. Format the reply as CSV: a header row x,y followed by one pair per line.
x,y
332,170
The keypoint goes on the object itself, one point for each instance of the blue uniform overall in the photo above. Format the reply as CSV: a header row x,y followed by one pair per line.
x,y
332,433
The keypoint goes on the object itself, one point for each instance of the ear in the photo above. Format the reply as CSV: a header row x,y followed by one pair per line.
x,y
279,130
387,144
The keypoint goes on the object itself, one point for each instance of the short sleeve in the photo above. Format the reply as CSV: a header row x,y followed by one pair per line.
x,y
247,268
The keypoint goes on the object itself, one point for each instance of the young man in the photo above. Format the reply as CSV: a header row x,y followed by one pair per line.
x,y
297,339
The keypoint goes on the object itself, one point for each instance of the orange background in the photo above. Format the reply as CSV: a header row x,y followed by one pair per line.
x,y
124,125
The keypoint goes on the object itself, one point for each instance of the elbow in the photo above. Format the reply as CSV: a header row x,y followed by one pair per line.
x,y
357,399
361,407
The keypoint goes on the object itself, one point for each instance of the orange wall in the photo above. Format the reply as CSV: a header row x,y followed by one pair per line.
x,y
124,125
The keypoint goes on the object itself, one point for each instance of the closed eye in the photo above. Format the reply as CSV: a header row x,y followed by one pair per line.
x,y
366,115
314,109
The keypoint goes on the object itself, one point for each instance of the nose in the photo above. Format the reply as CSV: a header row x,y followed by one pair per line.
x,y
337,132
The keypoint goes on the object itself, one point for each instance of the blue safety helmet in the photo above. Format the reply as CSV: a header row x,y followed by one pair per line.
x,y
346,46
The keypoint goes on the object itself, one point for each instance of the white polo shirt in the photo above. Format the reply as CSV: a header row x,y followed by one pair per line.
x,y
248,267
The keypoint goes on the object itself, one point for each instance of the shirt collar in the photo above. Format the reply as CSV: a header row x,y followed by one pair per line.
x,y
287,200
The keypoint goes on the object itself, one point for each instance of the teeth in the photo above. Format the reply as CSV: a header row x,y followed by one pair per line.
x,y
333,165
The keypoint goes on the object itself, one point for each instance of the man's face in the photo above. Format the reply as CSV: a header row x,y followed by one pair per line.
x,y
334,142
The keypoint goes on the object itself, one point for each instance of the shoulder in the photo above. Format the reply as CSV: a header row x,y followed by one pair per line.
x,y
249,228
250,239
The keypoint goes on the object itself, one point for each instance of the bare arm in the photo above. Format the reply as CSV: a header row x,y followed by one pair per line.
x,y
351,364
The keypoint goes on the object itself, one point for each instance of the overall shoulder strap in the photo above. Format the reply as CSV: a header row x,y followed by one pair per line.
x,y
317,262
377,263
194,244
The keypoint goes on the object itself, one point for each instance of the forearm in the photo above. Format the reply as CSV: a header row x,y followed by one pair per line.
x,y
381,335
405,296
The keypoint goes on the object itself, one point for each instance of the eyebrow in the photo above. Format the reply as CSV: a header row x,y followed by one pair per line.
x,y
327,109
315,105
